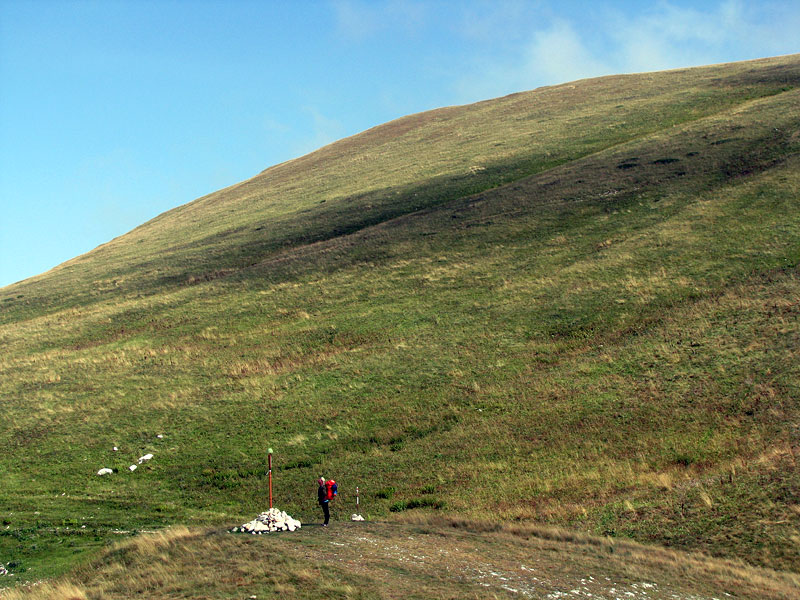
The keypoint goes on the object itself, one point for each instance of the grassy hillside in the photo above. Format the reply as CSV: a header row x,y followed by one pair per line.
x,y
416,162
575,306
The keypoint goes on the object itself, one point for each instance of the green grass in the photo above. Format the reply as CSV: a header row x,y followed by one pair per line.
x,y
597,326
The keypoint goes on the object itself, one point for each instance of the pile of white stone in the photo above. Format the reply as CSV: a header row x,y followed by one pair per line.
x,y
3,570
269,522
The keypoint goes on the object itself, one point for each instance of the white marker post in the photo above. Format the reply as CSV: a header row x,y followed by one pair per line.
x,y
269,451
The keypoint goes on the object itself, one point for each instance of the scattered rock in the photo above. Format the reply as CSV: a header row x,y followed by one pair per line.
x,y
116,449
105,471
355,517
132,468
268,522
3,570
145,458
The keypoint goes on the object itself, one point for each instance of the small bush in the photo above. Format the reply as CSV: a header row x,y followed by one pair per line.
x,y
385,493
402,505
399,506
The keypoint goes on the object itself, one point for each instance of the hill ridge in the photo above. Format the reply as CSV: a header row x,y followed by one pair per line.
x,y
485,196
218,196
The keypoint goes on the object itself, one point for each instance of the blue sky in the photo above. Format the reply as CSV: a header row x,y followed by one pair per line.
x,y
112,112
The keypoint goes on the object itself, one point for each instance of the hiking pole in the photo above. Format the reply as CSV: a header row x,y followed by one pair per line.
x,y
269,451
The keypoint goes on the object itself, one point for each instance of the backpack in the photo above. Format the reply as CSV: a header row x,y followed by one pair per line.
x,y
332,488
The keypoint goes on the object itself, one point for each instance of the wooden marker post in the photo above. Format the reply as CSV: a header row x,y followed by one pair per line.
x,y
356,498
269,464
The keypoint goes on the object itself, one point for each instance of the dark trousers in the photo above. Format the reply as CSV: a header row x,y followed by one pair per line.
x,y
326,511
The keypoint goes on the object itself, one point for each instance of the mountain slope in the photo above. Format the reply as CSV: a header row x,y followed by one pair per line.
x,y
576,305
412,163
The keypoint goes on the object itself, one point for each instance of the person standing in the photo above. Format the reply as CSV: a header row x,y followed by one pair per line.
x,y
322,499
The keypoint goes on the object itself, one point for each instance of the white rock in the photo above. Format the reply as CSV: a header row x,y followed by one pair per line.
x,y
132,468
269,521
115,449
145,458
105,471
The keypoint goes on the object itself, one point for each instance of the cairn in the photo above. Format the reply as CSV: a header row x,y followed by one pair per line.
x,y
268,522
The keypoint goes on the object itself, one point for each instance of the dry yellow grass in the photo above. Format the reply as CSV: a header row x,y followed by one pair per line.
x,y
436,556
46,591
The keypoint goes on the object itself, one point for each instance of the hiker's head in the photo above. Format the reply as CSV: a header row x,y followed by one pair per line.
x,y
321,481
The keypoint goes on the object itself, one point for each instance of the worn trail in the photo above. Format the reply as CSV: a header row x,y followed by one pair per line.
x,y
400,560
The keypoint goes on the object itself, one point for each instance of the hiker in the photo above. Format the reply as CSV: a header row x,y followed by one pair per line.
x,y
322,498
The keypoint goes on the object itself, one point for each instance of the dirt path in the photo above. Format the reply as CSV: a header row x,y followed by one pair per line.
x,y
433,557
399,561
526,578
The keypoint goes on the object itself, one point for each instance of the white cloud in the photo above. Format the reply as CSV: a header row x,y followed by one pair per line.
x,y
671,36
550,55
559,54
271,125
769,28
558,46
481,21
355,20
323,131
359,20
